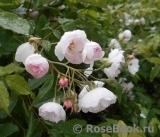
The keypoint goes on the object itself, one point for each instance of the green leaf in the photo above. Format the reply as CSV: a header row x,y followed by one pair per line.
x,y
46,92
111,121
40,3
11,107
144,49
32,125
154,60
57,33
69,26
8,42
83,134
46,45
133,134
98,3
12,22
117,90
35,83
18,85
54,133
106,135
7,129
42,21
154,72
4,97
9,4
122,125
153,112
13,102
143,123
144,100
13,67
64,20
67,126
153,127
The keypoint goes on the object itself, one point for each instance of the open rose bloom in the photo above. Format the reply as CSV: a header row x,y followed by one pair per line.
x,y
53,112
133,66
70,46
36,65
113,71
77,49
95,100
92,52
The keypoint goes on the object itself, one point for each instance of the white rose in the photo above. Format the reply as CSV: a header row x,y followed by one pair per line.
x,y
113,71
92,52
136,21
53,112
143,21
125,36
115,44
23,51
116,56
133,66
95,100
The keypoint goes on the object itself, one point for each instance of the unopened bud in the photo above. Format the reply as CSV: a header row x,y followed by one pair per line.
x,y
34,15
61,7
67,103
131,56
63,82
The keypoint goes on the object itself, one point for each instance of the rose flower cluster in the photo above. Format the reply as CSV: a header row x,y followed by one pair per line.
x,y
77,49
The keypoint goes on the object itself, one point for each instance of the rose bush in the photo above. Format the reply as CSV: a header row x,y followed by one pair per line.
x,y
64,63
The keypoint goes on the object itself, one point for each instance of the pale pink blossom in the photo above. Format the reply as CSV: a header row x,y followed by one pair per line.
x,y
125,36
95,100
71,46
113,71
92,52
36,65
116,56
53,112
23,51
133,66
143,21
114,43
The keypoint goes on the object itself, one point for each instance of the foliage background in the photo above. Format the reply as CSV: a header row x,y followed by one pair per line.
x,y
21,95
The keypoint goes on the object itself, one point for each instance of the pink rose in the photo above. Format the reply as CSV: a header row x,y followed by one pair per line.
x,y
36,65
70,46
92,52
